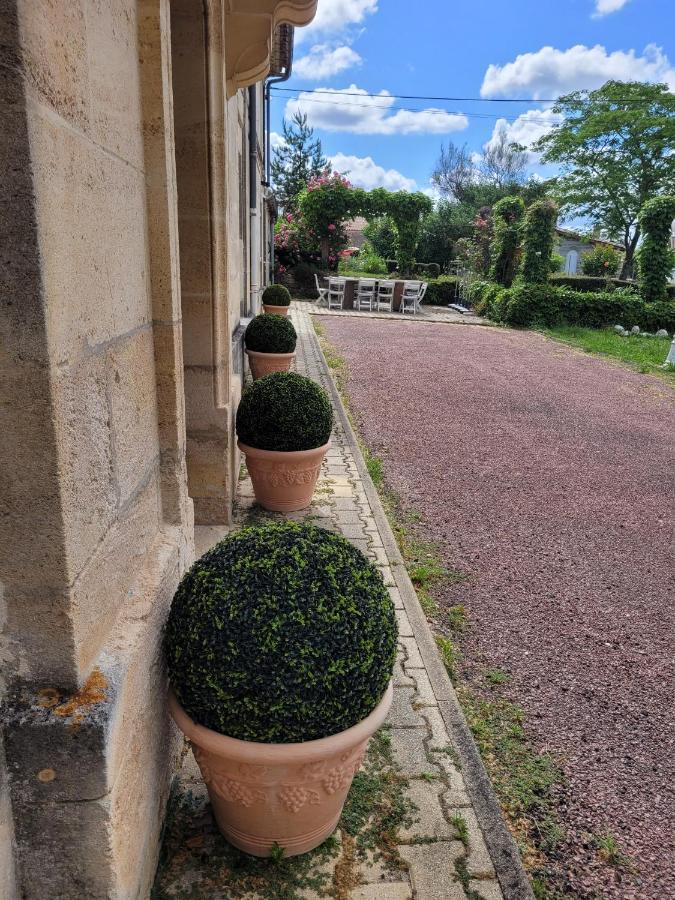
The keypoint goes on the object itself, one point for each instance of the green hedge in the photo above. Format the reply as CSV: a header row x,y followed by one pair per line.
x,y
281,633
440,291
526,304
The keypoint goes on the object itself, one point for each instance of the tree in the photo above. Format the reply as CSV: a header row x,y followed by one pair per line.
x,y
381,234
504,163
325,203
655,256
507,216
454,174
446,224
406,211
615,147
538,240
295,161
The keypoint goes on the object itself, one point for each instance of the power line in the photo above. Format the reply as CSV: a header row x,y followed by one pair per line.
x,y
443,99
389,108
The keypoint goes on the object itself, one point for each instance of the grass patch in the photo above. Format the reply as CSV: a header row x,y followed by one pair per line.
x,y
524,780
449,654
458,822
497,676
641,353
457,618
610,852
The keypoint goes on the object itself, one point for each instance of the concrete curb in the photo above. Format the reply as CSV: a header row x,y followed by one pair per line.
x,y
501,845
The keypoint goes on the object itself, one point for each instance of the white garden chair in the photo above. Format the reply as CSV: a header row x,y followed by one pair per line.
x,y
411,296
365,293
323,292
336,292
385,295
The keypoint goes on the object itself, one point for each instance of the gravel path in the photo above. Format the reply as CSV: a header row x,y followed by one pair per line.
x,y
548,475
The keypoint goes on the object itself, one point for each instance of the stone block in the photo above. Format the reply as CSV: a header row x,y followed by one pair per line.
x,y
432,871
486,889
409,751
93,245
114,92
404,626
132,388
413,657
385,890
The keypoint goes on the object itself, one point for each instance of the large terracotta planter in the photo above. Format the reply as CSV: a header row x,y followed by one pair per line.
x,y
276,310
290,795
284,481
265,363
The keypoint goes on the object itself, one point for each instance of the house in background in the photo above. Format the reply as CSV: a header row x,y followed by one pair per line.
x,y
134,229
354,228
571,245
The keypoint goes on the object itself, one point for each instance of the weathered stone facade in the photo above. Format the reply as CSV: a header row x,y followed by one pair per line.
x,y
127,267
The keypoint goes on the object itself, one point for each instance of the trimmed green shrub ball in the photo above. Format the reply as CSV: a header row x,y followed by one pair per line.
x,y
284,411
270,334
276,295
281,633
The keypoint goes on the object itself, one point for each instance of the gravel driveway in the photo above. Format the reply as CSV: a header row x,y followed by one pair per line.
x,y
548,476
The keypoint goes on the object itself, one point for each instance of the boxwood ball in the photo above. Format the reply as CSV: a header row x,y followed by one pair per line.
x,y
268,333
276,295
281,633
284,411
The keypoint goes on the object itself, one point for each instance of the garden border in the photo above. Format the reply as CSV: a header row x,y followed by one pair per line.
x,y
505,856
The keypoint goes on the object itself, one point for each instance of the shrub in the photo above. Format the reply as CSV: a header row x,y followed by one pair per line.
x,y
556,263
432,270
477,295
601,260
655,258
368,261
284,411
538,240
441,291
276,295
526,304
268,333
281,633
506,217
589,283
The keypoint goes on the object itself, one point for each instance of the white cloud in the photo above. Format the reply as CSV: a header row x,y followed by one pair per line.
x,y
526,129
336,16
364,172
605,7
322,61
549,72
276,140
362,114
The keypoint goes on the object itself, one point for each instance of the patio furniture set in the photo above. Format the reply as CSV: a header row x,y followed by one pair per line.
x,y
372,294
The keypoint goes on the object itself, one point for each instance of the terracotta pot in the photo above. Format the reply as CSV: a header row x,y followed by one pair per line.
x,y
276,310
265,363
283,480
286,794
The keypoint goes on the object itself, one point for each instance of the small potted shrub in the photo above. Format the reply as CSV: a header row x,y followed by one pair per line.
x,y
270,344
276,299
284,421
280,647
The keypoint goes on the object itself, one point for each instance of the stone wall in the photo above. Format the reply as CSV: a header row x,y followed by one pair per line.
x,y
97,524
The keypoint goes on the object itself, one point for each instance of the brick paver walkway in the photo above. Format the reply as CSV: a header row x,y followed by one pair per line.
x,y
431,743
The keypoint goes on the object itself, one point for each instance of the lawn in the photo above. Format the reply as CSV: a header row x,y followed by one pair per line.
x,y
645,354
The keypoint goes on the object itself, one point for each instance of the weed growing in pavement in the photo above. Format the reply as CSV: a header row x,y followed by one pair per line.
x,y
449,654
497,676
610,852
458,822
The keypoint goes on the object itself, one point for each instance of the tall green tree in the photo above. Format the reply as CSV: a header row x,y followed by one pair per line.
x,y
297,159
507,214
655,256
615,149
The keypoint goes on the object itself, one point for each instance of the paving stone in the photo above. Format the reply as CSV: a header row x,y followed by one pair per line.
x,y
409,752
404,626
346,502
387,575
385,890
478,859
487,889
395,595
400,677
429,820
380,555
439,733
432,870
413,656
349,517
353,532
425,693
402,713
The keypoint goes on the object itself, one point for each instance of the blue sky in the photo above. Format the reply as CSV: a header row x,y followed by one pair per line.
x,y
530,49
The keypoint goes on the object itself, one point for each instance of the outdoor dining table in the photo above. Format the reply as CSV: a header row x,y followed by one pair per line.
x,y
351,285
